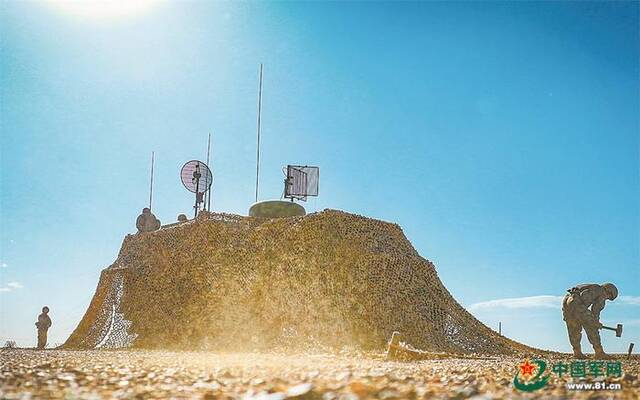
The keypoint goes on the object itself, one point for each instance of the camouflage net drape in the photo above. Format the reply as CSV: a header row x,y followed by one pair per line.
x,y
226,282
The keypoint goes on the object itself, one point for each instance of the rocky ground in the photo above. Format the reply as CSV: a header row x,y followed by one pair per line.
x,y
157,374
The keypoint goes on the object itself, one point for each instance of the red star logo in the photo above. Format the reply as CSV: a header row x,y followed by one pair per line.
x,y
527,368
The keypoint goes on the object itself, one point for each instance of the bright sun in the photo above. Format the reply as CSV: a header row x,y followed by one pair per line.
x,y
103,8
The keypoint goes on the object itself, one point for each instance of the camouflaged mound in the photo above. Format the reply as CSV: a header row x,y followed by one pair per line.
x,y
229,282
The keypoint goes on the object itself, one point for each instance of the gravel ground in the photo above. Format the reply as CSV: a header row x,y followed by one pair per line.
x,y
95,374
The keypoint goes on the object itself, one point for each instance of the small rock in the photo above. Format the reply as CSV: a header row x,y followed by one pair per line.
x,y
299,390
359,388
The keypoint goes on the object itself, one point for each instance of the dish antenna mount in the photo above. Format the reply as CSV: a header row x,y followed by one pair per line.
x,y
301,181
197,178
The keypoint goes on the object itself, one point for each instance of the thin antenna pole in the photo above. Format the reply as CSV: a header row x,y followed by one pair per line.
x,y
151,185
258,146
196,176
208,194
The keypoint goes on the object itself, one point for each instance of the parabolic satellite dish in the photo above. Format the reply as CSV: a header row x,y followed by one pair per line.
x,y
196,176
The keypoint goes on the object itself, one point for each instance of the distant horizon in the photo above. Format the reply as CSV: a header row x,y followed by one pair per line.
x,y
503,138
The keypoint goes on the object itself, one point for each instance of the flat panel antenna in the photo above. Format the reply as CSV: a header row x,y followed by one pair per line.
x,y
301,181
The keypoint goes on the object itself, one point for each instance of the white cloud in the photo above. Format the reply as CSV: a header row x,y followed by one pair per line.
x,y
544,301
3,265
11,286
628,300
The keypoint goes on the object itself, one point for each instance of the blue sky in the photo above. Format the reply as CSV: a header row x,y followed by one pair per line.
x,y
502,137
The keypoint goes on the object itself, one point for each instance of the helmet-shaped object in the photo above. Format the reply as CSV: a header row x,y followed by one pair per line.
x,y
611,290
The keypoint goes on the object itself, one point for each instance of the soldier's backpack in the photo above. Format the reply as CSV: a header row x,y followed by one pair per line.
x,y
577,290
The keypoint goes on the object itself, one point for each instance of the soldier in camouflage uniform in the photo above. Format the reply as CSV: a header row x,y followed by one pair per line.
x,y
578,315
43,325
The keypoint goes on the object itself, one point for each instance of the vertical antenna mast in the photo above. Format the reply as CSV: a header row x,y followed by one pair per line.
x,y
208,194
258,146
151,185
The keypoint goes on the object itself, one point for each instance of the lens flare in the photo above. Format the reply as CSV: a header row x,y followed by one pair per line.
x,y
103,9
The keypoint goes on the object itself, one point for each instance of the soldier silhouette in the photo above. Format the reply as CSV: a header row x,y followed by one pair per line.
x,y
577,314
43,325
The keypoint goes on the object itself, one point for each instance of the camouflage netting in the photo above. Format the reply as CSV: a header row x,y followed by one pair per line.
x,y
229,282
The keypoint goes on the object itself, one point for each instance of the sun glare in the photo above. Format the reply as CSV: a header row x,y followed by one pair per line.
x,y
102,9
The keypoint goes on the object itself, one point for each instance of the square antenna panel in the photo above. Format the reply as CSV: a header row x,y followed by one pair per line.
x,y
302,181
